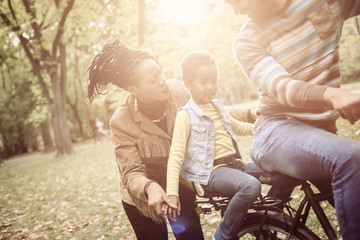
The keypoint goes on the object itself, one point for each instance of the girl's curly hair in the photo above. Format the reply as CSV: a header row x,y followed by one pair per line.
x,y
192,61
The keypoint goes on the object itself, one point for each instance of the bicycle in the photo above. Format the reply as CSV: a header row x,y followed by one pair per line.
x,y
271,218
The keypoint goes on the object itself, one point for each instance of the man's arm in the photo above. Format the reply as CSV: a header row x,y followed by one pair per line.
x,y
272,78
350,8
243,114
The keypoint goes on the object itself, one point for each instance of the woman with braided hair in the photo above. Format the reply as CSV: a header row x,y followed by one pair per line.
x,y
142,131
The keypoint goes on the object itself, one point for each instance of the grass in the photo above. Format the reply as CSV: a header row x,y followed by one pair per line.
x,y
355,86
77,197
72,198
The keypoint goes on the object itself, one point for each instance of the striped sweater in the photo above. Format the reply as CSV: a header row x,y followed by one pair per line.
x,y
294,55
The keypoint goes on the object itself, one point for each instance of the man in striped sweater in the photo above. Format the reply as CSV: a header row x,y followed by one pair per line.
x,y
290,50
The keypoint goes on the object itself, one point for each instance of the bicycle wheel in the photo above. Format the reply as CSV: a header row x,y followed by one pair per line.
x,y
276,226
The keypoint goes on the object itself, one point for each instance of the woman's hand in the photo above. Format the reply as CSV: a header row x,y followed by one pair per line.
x,y
347,103
156,198
169,210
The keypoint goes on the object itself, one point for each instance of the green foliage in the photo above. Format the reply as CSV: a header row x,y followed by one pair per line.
x,y
92,24
350,51
17,102
84,38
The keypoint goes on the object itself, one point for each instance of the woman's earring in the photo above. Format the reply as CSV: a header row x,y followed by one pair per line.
x,y
136,107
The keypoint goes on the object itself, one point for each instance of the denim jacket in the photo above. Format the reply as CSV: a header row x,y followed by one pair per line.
x,y
200,149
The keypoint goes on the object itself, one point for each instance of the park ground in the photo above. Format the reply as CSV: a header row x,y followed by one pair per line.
x,y
77,196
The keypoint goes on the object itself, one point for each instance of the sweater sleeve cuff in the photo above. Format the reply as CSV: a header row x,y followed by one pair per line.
x,y
315,96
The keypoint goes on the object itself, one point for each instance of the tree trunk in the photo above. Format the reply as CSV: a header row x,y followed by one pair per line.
x,y
20,144
30,138
54,62
46,136
61,130
75,110
7,150
81,92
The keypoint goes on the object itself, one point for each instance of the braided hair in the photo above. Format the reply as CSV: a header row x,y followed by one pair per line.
x,y
114,64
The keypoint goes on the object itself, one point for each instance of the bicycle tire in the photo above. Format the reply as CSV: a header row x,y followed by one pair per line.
x,y
276,227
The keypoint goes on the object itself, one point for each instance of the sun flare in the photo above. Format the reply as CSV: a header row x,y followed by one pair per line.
x,y
182,10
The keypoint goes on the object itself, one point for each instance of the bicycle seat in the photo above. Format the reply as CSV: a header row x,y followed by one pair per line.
x,y
279,179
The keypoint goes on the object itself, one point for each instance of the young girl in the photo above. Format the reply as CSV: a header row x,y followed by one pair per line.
x,y
204,150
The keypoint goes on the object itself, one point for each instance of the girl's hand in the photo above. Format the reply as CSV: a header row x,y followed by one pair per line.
x,y
157,198
172,207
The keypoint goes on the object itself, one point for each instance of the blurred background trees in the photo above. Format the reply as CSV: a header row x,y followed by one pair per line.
x,y
47,46
350,51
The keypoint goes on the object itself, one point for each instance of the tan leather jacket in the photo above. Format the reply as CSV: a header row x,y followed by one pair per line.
x,y
142,148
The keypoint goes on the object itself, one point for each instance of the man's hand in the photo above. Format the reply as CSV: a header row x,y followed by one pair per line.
x,y
156,198
347,103
169,210
243,114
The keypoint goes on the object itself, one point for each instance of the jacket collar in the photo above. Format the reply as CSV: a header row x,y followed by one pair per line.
x,y
146,124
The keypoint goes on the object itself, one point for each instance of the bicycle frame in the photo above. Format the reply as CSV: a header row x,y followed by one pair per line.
x,y
312,200
263,206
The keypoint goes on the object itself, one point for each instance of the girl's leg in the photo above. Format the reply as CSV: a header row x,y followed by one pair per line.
x,y
187,226
302,151
245,189
145,228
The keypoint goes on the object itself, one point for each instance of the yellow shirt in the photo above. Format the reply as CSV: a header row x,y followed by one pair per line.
x,y
223,142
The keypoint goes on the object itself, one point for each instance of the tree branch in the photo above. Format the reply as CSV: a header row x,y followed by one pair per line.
x,y
8,23
12,10
36,69
61,27
31,11
57,3
34,62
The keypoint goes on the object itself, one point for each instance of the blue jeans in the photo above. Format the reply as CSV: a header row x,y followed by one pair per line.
x,y
305,152
245,189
